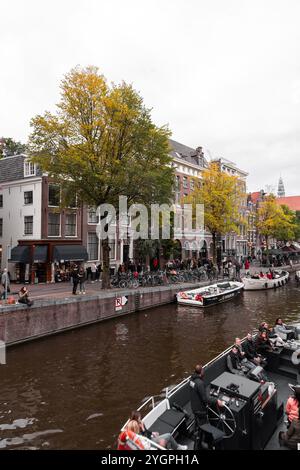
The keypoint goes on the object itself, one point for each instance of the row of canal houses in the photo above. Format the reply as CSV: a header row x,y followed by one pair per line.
x,y
38,237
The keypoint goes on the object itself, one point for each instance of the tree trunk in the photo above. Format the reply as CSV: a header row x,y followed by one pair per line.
x,y
105,265
214,239
267,250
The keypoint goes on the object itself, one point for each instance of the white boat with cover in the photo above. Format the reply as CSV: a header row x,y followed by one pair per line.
x,y
210,295
257,282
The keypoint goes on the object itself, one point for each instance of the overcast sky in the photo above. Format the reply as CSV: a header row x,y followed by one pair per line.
x,y
223,74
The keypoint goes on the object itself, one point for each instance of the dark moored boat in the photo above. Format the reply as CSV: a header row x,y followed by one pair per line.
x,y
254,411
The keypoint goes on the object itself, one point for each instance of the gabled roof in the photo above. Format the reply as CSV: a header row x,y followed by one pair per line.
x,y
293,202
12,168
255,196
187,154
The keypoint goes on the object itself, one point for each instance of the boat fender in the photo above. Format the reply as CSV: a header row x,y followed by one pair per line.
x,y
296,357
129,440
266,285
199,298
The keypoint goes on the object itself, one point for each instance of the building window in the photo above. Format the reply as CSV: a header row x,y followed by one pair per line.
x,y
70,229
28,197
192,185
1,227
28,225
53,224
93,218
29,168
54,195
185,182
1,200
93,246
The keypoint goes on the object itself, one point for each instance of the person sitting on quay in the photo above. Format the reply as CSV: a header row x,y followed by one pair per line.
x,y
24,297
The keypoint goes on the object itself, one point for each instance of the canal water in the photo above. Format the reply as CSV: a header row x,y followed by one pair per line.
x,y
74,390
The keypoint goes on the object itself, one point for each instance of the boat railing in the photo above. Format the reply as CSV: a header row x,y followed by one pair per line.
x,y
150,400
183,382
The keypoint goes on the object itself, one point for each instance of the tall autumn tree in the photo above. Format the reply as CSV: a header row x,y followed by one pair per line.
x,y
273,221
103,143
287,229
222,196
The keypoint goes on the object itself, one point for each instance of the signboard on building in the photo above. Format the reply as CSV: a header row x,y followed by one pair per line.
x,y
120,302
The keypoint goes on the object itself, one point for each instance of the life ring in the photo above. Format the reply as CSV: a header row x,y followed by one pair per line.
x,y
129,440
183,295
296,357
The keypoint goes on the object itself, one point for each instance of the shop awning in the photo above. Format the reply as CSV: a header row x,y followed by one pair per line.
x,y
20,254
40,254
63,253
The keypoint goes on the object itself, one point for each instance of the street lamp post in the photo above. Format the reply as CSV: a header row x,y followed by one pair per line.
x,y
6,274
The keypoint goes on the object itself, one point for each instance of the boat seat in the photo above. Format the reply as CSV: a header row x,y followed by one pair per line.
x,y
161,427
173,417
168,422
211,434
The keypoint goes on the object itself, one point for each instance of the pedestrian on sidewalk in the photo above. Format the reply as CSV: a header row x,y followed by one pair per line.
x,y
94,271
75,279
82,279
5,281
238,270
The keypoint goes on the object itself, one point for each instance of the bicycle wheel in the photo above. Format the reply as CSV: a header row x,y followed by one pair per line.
x,y
123,284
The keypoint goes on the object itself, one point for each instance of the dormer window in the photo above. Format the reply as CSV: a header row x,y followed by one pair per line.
x,y
29,168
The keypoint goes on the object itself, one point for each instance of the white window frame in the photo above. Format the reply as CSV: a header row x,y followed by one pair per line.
x,y
76,223
28,234
54,236
29,168
90,260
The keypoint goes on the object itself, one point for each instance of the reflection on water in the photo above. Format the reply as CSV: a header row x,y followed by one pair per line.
x,y
72,391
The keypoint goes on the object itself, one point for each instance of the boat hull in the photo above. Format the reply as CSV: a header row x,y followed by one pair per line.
x,y
264,283
214,298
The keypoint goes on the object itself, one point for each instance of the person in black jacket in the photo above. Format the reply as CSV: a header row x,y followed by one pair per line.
x,y
249,349
199,396
75,278
262,343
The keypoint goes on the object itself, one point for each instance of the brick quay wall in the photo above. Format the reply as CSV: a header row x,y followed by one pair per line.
x,y
19,323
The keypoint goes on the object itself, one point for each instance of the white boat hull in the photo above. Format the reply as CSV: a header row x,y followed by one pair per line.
x,y
210,295
264,283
